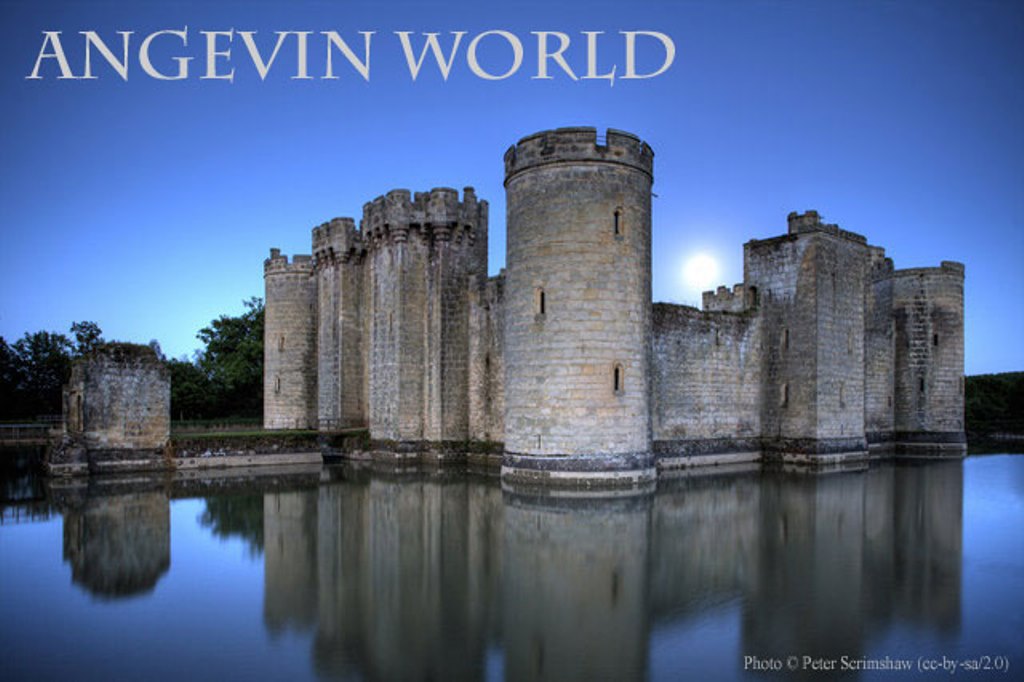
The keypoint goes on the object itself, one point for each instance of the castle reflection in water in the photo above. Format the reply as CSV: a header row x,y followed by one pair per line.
x,y
438,576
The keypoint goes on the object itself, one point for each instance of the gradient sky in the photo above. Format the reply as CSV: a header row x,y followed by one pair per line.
x,y
148,206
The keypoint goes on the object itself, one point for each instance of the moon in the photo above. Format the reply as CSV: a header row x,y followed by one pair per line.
x,y
700,272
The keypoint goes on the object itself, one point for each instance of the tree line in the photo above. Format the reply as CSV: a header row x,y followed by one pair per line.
x,y
222,380
994,403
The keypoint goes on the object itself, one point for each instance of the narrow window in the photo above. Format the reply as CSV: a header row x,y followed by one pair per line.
x,y
618,222
618,377
935,339
785,339
277,384
920,385
784,397
280,344
842,395
539,301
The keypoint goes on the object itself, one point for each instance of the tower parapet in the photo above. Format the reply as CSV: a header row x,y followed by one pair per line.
x,y
289,342
335,241
437,214
810,221
578,145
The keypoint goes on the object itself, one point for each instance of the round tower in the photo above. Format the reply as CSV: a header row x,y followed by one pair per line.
x,y
578,308
928,310
289,343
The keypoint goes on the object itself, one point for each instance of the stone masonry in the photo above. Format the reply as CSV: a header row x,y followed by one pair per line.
x,y
117,412
823,354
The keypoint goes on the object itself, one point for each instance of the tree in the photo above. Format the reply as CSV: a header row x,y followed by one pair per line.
x,y
225,379
43,365
88,336
10,380
191,391
233,360
34,369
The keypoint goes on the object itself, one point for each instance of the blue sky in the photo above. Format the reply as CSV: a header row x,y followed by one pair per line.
x,y
149,206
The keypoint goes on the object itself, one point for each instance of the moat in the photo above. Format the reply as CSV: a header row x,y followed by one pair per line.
x,y
346,572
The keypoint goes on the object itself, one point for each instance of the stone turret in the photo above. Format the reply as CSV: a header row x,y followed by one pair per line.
x,y
337,261
578,308
421,251
811,290
289,343
928,310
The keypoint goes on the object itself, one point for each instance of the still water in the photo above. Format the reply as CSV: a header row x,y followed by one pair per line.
x,y
348,573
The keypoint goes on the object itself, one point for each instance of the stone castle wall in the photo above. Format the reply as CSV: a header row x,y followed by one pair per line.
x,y
782,270
822,350
705,383
879,334
487,360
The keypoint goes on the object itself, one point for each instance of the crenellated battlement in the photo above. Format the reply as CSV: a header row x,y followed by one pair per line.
x,y
437,214
810,221
740,298
578,145
334,241
279,264
947,268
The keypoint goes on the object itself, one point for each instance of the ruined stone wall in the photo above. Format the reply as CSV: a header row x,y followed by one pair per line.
x,y
705,381
578,296
879,337
119,398
289,343
929,353
487,361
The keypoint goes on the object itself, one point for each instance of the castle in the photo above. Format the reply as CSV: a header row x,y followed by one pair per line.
x,y
825,353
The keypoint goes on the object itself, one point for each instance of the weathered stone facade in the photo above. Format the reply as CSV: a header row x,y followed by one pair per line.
x,y
117,412
823,353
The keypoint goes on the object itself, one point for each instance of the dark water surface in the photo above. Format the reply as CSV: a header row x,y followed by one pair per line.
x,y
351,574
